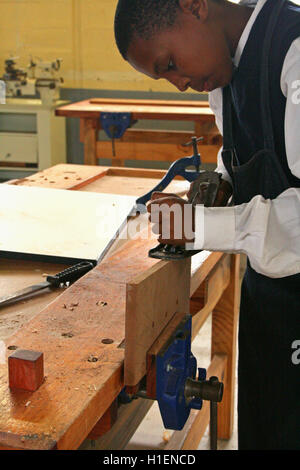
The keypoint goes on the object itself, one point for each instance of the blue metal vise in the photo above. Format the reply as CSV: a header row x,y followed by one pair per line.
x,y
118,122
174,365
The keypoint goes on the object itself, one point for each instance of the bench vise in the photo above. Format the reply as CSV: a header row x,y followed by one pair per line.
x,y
174,381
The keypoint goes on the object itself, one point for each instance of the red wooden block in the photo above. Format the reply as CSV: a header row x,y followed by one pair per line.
x,y
26,370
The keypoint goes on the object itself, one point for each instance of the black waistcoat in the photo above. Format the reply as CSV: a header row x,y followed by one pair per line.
x,y
246,91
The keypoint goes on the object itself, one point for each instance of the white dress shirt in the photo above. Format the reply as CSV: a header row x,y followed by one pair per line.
x,y
268,231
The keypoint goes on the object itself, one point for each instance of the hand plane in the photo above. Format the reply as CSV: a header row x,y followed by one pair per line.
x,y
209,189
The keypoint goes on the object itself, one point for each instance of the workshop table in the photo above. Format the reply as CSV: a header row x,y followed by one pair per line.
x,y
143,144
79,398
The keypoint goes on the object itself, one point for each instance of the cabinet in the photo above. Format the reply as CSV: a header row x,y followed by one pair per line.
x,y
31,136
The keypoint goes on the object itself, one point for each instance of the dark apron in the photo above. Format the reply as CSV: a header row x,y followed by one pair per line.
x,y
268,380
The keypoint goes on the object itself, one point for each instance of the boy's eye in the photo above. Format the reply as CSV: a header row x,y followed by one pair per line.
x,y
171,65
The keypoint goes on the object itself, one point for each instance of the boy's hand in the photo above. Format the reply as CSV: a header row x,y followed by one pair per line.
x,y
173,219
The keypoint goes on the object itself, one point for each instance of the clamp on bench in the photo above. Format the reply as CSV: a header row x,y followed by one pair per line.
x,y
115,125
173,381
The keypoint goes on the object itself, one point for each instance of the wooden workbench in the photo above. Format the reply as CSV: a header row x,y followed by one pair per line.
x,y
78,398
142,144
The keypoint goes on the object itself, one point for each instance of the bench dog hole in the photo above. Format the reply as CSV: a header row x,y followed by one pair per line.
x,y
107,341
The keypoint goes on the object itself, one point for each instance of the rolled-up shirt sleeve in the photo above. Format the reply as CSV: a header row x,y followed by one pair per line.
x,y
268,231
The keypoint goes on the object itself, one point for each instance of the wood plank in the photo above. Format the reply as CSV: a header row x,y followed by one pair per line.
x,y
190,436
71,176
157,136
58,224
164,288
63,176
150,102
84,109
154,152
133,186
208,131
224,332
139,173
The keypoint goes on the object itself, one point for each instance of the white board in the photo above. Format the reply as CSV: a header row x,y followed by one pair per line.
x,y
74,225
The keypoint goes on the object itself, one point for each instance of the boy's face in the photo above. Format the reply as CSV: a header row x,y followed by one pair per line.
x,y
191,54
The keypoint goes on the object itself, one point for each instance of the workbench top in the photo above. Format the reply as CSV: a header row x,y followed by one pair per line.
x,y
140,109
71,328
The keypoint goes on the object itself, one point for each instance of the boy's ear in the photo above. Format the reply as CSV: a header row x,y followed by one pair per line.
x,y
198,8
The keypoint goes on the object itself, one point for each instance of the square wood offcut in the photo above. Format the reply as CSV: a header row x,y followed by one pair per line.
x,y
26,370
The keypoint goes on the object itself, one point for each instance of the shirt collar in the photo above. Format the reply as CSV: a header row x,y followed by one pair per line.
x,y
245,35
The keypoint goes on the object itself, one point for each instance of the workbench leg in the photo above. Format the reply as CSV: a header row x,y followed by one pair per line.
x,y
90,134
209,131
224,332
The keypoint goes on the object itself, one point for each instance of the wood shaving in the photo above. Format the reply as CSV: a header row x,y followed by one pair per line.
x,y
166,436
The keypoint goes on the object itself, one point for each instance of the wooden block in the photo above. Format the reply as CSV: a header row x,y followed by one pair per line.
x,y
152,300
26,370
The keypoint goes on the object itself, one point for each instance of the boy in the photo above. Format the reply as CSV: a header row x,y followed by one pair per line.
x,y
248,57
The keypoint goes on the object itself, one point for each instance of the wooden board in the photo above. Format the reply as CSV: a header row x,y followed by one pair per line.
x,y
63,176
101,179
86,109
164,103
152,300
59,224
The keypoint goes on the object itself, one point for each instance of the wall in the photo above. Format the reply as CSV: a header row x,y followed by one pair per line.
x,y
81,33
78,31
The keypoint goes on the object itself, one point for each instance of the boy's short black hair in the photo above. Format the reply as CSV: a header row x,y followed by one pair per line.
x,y
143,18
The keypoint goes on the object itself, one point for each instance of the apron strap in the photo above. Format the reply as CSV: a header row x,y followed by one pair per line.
x,y
227,119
